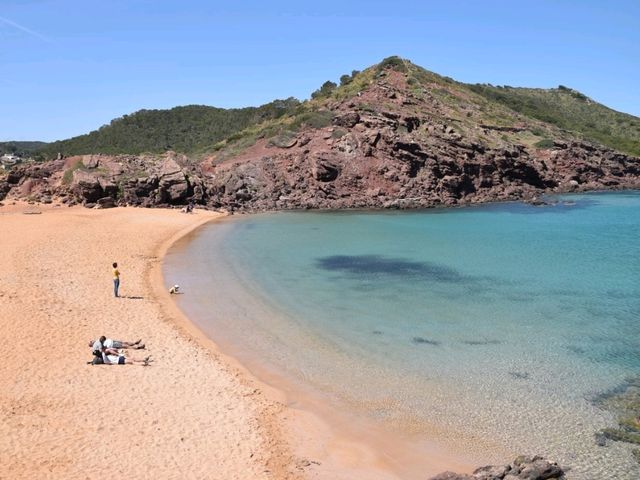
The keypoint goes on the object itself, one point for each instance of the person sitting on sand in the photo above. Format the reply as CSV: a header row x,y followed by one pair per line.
x,y
110,356
174,290
104,342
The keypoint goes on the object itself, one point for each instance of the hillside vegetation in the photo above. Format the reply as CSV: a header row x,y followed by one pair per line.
x,y
431,98
548,115
558,113
570,110
183,129
24,149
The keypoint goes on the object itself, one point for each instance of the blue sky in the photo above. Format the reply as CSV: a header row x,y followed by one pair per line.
x,y
69,66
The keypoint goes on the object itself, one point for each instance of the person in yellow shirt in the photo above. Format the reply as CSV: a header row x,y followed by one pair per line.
x,y
116,279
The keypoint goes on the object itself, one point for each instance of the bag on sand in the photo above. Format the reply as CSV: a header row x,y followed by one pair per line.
x,y
97,359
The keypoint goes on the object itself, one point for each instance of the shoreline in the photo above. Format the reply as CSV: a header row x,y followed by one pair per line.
x,y
195,409
343,444
280,457
443,207
243,351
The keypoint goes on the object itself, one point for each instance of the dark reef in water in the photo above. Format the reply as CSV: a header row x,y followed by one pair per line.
x,y
425,341
482,342
624,401
378,265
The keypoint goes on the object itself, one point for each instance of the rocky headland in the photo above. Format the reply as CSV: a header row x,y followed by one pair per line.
x,y
391,138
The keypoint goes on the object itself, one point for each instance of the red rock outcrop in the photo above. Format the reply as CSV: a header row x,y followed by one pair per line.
x,y
386,147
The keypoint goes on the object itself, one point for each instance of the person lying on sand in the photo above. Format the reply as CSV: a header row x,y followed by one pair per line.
x,y
110,356
104,342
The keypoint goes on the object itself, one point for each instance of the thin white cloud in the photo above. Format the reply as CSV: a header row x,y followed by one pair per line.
x,y
24,29
11,83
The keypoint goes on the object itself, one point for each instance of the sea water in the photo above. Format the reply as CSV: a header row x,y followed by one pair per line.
x,y
495,326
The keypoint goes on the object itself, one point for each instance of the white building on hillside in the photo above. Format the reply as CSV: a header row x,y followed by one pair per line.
x,y
9,160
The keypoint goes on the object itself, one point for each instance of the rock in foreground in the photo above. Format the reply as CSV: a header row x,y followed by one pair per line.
x,y
522,468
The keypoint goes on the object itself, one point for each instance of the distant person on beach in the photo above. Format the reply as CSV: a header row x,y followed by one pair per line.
x,y
116,279
111,356
174,290
104,342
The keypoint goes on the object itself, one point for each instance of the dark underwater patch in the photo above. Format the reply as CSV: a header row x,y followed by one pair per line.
x,y
482,342
576,349
519,375
378,265
622,294
554,205
628,383
248,225
425,341
624,402
602,350
519,297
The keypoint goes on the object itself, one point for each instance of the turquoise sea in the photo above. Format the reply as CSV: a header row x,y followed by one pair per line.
x,y
497,325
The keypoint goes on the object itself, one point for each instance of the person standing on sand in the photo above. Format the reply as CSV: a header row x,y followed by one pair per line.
x,y
116,279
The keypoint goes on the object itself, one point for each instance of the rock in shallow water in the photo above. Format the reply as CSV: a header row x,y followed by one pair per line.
x,y
522,468
491,471
452,476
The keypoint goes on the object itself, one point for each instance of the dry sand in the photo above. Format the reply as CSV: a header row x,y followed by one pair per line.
x,y
189,415
194,413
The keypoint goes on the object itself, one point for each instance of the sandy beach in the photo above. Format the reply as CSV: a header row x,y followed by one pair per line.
x,y
194,413
189,415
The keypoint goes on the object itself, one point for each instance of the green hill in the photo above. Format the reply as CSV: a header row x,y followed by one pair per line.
x,y
548,114
24,149
533,117
184,129
570,110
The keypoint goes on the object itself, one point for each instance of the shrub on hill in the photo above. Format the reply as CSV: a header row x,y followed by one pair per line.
x,y
313,119
394,62
325,90
544,143
346,79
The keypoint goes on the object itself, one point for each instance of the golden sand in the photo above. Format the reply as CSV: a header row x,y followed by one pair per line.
x,y
194,413
189,415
